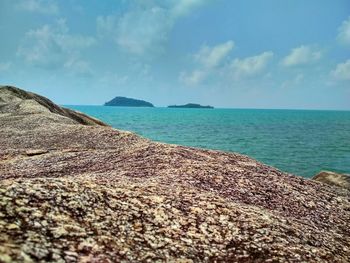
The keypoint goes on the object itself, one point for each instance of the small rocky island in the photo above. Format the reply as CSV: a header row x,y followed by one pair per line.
x,y
128,102
73,189
191,106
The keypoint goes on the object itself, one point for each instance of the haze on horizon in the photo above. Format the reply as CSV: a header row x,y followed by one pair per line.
x,y
238,54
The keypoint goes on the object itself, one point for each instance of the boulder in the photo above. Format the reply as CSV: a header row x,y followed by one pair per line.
x,y
74,189
332,178
15,100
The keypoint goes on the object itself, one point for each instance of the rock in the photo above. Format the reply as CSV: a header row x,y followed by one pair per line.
x,y
59,232
16,100
36,152
69,182
331,178
5,258
12,226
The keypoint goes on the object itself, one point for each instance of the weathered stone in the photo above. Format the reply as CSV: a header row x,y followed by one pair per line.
x,y
111,196
331,178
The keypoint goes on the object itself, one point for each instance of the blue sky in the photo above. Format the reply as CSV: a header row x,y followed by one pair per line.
x,y
226,53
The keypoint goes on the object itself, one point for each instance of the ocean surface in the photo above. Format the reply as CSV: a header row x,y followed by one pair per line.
x,y
301,142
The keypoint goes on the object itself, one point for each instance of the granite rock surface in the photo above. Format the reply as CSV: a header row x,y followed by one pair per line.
x,y
73,189
332,178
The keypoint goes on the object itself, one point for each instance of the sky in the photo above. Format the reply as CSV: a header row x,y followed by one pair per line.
x,y
291,54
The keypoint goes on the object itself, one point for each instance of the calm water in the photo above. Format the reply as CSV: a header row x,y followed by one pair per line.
x,y
296,141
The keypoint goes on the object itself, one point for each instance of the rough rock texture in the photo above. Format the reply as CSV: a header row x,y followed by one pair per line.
x,y
72,192
15,100
331,178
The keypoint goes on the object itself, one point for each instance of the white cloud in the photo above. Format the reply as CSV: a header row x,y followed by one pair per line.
x,y
145,28
193,78
48,7
208,60
342,71
143,31
293,83
250,66
183,7
5,66
212,56
78,66
344,32
301,55
52,46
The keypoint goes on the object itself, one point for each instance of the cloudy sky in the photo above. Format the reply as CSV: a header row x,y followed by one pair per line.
x,y
239,54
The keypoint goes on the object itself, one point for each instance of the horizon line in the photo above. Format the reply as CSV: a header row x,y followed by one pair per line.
x,y
223,108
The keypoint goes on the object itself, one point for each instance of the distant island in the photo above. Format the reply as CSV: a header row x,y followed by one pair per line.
x,y
191,106
128,102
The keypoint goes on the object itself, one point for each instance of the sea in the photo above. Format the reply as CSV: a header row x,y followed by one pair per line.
x,y
301,142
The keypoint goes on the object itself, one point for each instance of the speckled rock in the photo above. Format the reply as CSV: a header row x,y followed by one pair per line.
x,y
332,178
83,192
15,100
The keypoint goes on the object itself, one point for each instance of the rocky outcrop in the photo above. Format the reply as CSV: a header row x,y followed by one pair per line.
x,y
90,193
331,178
14,100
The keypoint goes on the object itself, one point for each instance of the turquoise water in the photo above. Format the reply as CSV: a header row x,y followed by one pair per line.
x,y
296,141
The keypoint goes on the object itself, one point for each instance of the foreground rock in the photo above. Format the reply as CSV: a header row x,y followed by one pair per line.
x,y
90,193
331,178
